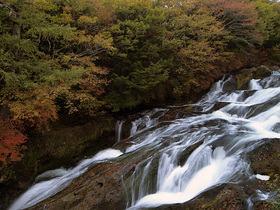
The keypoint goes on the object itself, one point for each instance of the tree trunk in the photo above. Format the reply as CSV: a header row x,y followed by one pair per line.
x,y
17,26
4,111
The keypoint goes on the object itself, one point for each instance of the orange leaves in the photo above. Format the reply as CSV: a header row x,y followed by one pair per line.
x,y
244,12
240,19
104,12
92,84
34,109
81,94
11,142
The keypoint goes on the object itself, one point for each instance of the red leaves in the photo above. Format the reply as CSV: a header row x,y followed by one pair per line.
x,y
28,110
11,142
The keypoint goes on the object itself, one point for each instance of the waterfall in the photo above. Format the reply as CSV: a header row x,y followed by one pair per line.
x,y
218,138
148,119
54,181
119,125
247,118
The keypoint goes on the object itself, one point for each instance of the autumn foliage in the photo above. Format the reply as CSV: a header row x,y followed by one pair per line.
x,y
83,57
11,141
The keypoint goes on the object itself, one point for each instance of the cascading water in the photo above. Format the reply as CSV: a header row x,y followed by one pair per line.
x,y
218,138
149,118
222,136
51,182
119,125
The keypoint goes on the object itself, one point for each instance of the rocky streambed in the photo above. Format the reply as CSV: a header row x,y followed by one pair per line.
x,y
107,184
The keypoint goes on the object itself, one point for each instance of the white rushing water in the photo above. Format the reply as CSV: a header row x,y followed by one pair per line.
x,y
219,139
119,125
222,138
57,180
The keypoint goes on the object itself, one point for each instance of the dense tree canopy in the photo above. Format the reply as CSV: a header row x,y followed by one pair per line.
x,y
87,56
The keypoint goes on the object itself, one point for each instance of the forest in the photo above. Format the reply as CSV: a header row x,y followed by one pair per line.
x,y
77,58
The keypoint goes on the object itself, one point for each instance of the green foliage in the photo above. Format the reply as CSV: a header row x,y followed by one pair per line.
x,y
141,62
85,56
137,87
269,17
47,54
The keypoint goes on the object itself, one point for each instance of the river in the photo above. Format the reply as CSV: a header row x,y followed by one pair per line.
x,y
222,128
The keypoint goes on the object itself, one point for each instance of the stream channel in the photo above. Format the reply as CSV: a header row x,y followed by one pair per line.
x,y
222,128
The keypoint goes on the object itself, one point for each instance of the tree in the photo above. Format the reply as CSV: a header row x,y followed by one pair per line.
x,y
240,19
141,62
197,39
268,24
11,142
48,50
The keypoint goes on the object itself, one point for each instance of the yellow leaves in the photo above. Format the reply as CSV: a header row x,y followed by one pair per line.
x,y
86,20
64,18
82,38
275,52
65,59
45,5
128,3
200,51
86,102
276,48
95,43
104,40
203,38
89,67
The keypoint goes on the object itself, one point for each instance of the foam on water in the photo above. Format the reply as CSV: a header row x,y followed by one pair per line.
x,y
190,155
63,178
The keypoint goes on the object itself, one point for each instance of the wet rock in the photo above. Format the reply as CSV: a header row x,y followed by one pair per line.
x,y
274,68
99,188
266,158
64,146
102,186
261,72
230,85
245,75
122,145
177,112
226,196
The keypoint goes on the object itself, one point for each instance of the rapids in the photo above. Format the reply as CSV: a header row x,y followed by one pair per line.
x,y
224,126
